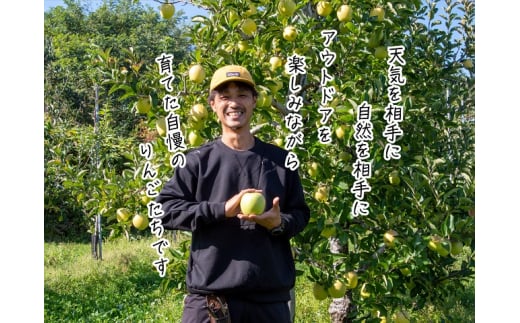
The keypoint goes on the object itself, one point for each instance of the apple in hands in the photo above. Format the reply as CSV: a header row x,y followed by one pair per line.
x,y
252,203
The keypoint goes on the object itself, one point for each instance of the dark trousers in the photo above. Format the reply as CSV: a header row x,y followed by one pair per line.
x,y
241,311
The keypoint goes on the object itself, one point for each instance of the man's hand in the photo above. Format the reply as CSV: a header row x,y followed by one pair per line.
x,y
232,207
270,219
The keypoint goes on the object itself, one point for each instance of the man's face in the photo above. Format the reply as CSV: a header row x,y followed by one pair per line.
x,y
234,105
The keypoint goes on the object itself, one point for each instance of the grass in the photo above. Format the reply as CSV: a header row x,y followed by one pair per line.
x,y
125,287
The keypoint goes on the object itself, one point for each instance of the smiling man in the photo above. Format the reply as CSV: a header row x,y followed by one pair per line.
x,y
240,267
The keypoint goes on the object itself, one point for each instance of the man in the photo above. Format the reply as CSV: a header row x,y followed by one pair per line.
x,y
241,267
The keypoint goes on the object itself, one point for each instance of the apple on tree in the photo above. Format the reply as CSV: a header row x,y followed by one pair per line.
x,y
380,52
400,317
122,214
338,289
140,222
199,112
194,138
167,10
243,45
389,238
319,291
393,178
321,194
456,247
143,104
196,73
290,33
378,12
363,292
323,8
468,63
286,8
344,13
264,99
439,245
248,26
278,142
251,11
252,203
313,169
275,62
352,279
160,125
340,132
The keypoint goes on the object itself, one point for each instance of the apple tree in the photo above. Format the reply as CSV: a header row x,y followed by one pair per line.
x,y
413,243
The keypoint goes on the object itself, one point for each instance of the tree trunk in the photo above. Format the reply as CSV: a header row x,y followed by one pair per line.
x,y
340,307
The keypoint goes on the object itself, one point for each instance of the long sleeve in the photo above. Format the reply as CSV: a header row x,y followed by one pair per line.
x,y
294,210
182,209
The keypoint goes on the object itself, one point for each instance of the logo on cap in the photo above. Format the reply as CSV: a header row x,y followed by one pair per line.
x,y
232,74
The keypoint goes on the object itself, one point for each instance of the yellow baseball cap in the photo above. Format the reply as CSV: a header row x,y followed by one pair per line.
x,y
231,73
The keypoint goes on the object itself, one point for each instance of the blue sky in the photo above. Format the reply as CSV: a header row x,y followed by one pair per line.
x,y
188,9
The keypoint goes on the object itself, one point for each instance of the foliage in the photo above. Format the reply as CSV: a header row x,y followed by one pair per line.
x,y
84,172
74,38
435,197
88,171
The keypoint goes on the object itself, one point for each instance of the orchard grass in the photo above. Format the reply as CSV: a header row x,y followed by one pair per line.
x,y
125,287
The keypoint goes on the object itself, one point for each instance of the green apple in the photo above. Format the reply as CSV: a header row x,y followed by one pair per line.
x,y
328,231
378,12
140,222
468,63
160,125
389,238
323,8
380,52
352,279
319,291
321,194
275,62
251,11
143,104
338,289
194,138
196,73
233,16
248,26
264,99
364,293
344,13
252,203
167,10
400,317
145,199
439,245
405,271
456,247
199,112
313,169
243,45
393,178
286,8
340,132
290,33
122,214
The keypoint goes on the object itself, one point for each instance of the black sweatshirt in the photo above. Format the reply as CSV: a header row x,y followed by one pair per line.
x,y
231,256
